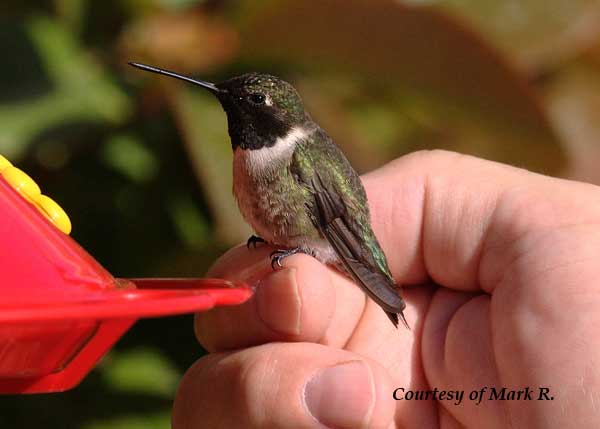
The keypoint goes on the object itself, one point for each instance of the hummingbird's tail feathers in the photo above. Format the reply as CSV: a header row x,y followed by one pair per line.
x,y
378,286
404,322
393,317
333,225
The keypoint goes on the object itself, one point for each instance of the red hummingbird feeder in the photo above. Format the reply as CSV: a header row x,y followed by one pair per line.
x,y
60,310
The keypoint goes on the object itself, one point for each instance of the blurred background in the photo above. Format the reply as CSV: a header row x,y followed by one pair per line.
x,y
142,164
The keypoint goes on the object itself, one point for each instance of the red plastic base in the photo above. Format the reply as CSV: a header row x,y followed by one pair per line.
x,y
61,311
83,358
50,347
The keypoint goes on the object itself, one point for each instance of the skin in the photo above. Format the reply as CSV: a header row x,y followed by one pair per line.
x,y
505,265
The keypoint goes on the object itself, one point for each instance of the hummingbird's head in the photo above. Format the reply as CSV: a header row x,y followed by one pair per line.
x,y
260,108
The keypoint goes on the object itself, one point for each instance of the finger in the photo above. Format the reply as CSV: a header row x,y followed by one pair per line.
x,y
284,385
458,356
532,243
304,301
445,213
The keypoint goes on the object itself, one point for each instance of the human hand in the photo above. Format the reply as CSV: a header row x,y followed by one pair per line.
x,y
516,256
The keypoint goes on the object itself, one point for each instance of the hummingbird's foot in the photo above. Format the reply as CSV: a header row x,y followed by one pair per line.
x,y
253,240
279,255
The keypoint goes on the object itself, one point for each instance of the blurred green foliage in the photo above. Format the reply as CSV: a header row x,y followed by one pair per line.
x,y
143,164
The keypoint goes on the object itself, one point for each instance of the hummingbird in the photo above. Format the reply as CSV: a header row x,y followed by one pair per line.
x,y
295,187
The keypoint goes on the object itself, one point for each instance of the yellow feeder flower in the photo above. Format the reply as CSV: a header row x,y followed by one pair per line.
x,y
27,187
21,182
4,163
54,213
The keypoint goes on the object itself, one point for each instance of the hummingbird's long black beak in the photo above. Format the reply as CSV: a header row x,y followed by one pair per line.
x,y
208,85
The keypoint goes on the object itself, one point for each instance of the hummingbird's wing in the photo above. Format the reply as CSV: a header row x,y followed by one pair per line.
x,y
332,214
335,188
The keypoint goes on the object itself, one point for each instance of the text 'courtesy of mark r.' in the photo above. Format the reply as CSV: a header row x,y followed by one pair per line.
x,y
486,393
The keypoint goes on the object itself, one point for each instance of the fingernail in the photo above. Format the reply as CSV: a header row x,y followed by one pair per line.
x,y
278,302
342,396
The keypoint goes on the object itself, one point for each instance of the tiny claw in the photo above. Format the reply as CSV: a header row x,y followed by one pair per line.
x,y
279,255
253,240
404,322
273,262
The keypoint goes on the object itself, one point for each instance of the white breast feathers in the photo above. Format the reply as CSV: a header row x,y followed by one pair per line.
x,y
260,161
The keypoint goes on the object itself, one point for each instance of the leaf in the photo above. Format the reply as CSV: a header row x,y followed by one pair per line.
x,y
204,130
79,90
156,420
126,154
142,370
185,41
573,97
191,226
471,94
535,34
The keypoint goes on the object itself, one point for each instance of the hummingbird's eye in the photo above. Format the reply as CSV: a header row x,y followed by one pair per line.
x,y
257,98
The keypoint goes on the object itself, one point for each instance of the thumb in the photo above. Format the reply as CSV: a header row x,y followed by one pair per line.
x,y
284,385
